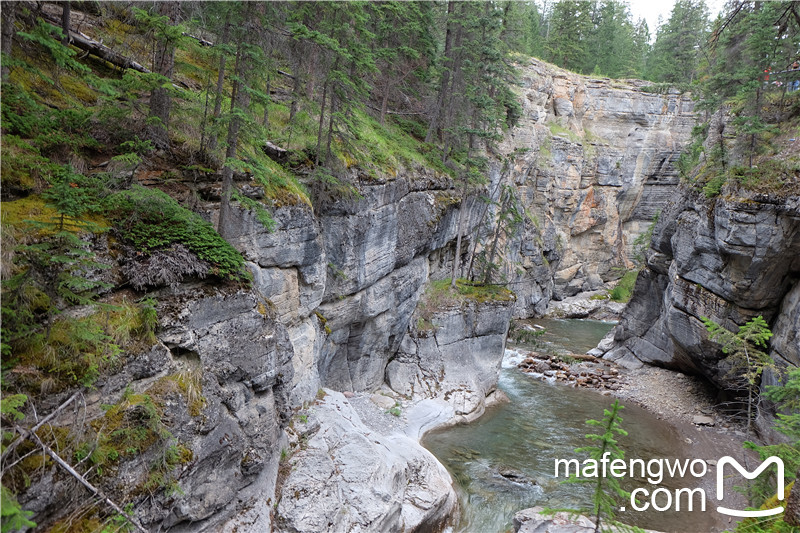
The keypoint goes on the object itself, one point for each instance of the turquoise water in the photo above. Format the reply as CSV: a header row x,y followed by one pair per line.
x,y
504,462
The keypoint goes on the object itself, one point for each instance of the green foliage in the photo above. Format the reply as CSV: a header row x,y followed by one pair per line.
x,y
787,400
151,220
508,222
9,406
13,517
746,351
624,289
49,38
675,57
607,490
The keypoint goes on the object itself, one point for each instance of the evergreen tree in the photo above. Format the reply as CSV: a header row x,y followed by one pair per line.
x,y
167,36
746,355
607,490
610,45
751,41
570,26
404,48
675,54
641,47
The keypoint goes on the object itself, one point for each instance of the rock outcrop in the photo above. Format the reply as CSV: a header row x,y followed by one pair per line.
x,y
454,354
592,161
535,520
214,391
729,259
347,477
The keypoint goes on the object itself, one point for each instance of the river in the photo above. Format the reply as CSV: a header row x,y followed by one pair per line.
x,y
504,462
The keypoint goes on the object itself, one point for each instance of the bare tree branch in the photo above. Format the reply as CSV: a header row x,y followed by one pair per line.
x,y
94,490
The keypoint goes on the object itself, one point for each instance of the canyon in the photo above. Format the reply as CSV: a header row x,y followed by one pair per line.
x,y
337,307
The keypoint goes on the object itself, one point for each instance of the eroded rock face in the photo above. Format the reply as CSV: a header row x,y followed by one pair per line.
x,y
348,478
218,379
594,163
245,355
346,280
729,259
454,355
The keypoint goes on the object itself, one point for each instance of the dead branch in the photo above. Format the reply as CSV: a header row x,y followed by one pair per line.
x,y
24,435
89,45
94,490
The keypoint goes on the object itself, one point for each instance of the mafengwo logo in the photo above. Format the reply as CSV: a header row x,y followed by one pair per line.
x,y
655,470
735,464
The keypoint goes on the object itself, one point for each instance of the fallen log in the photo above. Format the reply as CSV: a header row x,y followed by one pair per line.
x,y
89,45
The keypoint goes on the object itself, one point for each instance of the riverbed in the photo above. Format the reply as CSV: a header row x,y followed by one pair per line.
x,y
504,462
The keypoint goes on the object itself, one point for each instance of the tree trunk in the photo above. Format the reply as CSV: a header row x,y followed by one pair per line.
x,y
86,44
8,15
266,104
164,64
493,251
65,11
239,102
460,231
385,101
321,121
212,138
434,124
330,130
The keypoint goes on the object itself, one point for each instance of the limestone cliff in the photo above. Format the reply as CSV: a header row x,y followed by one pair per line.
x,y
333,298
592,161
730,258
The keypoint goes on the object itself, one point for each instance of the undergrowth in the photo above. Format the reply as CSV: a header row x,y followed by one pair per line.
x,y
624,289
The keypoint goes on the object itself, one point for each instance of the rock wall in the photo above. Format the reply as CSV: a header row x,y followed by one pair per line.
x,y
730,259
333,299
346,280
592,161
219,381
348,478
454,355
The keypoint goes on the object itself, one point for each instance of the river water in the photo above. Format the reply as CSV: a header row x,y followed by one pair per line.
x,y
504,462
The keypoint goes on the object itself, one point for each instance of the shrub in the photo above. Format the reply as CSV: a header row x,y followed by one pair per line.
x,y
151,221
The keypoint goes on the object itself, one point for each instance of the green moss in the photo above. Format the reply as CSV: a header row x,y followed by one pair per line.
x,y
560,131
768,524
21,164
466,290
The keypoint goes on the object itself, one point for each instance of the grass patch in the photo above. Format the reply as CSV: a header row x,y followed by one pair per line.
x,y
74,351
440,296
624,289
558,130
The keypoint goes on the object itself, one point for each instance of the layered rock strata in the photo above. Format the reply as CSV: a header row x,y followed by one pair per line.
x,y
592,161
729,259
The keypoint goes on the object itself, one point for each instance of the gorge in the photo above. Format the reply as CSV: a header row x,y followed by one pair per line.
x,y
245,405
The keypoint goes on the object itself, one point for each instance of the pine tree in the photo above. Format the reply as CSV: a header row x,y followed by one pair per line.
x,y
675,54
746,355
167,36
569,28
404,47
607,490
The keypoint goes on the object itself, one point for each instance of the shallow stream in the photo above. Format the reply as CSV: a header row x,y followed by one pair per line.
x,y
504,462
